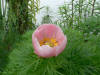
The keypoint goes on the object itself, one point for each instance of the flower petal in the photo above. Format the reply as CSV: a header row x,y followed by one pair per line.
x,y
60,36
46,51
46,30
35,43
61,46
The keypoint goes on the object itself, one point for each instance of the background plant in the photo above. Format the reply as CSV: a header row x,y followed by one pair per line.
x,y
14,21
79,12
46,19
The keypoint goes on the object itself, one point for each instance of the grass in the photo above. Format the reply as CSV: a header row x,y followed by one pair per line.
x,y
80,57
7,41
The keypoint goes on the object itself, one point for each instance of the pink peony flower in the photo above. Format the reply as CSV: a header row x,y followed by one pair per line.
x,y
48,40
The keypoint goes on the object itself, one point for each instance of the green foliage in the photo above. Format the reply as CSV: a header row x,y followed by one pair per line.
x,y
33,9
1,26
90,26
20,10
46,19
78,58
7,40
77,11
65,14
8,30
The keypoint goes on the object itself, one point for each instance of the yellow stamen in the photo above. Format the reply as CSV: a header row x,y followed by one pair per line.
x,y
41,43
53,40
46,39
55,44
49,41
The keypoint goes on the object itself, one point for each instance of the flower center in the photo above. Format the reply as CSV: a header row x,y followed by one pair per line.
x,y
49,41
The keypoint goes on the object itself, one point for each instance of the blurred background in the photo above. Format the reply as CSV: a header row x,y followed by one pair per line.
x,y
79,20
